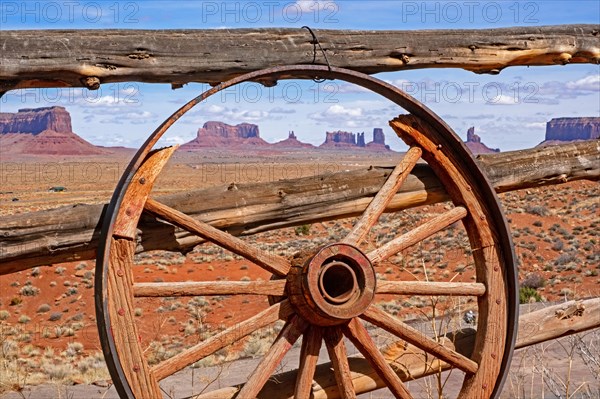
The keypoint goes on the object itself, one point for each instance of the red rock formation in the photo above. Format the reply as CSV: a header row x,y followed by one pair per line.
x,y
339,139
221,135
378,143
571,129
36,120
475,145
360,139
378,136
291,143
42,131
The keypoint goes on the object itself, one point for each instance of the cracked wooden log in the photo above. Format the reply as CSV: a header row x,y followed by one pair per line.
x,y
412,363
89,58
71,232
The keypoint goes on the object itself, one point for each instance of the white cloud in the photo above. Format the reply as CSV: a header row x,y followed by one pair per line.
x,y
502,99
588,83
341,110
314,5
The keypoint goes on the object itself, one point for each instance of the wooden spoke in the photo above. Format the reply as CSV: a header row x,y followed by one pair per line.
x,y
430,288
334,341
281,310
418,339
199,288
309,356
420,233
273,263
357,333
383,197
265,369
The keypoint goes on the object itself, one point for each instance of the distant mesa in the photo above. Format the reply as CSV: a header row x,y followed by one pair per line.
x,y
222,135
42,131
291,143
347,140
560,130
475,145
219,135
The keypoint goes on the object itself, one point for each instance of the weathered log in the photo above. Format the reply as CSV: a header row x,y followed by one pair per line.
x,y
411,363
88,58
71,233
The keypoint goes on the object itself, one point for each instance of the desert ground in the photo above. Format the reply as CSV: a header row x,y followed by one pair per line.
x,y
48,334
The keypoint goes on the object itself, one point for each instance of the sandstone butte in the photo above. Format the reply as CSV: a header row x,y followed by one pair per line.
x,y
45,130
475,145
559,130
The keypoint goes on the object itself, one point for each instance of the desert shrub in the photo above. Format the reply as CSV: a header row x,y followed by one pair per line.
x,y
43,308
29,290
23,319
534,281
557,245
537,223
565,258
15,301
55,316
60,270
303,230
58,371
536,210
528,294
73,348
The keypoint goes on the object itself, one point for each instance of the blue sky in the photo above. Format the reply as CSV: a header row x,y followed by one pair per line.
x,y
509,110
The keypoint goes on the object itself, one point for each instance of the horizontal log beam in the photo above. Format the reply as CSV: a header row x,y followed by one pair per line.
x,y
71,233
88,58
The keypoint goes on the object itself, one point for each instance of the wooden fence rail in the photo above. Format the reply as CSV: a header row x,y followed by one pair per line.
x,y
88,58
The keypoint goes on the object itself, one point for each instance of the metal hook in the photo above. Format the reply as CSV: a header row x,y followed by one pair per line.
x,y
315,43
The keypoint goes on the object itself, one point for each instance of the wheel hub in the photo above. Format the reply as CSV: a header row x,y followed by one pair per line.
x,y
333,286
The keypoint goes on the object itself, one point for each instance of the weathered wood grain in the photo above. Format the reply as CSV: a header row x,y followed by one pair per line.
x,y
71,232
334,341
200,288
88,58
429,288
417,234
383,198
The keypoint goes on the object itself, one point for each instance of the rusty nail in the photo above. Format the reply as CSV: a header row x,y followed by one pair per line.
x,y
484,386
128,212
498,301
120,273
493,355
142,180
136,368
482,217
469,188
121,312
439,146
496,268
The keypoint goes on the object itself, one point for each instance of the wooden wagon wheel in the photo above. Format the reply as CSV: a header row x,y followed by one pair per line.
x,y
328,294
